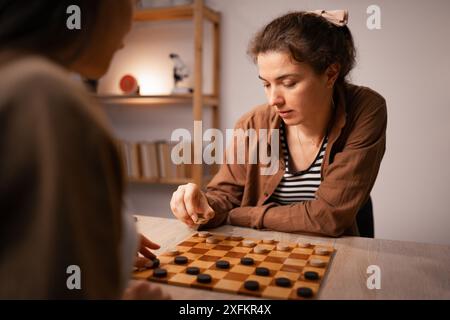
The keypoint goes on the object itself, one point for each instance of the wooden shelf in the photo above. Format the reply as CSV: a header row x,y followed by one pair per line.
x,y
166,181
197,13
185,12
208,100
160,181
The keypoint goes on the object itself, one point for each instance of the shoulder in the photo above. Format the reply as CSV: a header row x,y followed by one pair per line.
x,y
361,99
366,114
26,74
261,116
35,84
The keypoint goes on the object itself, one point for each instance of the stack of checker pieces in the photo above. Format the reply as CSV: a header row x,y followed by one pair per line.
x,y
233,264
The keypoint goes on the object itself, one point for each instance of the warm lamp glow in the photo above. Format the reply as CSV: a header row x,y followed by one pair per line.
x,y
152,85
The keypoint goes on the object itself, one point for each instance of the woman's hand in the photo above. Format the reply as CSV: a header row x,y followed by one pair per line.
x,y
144,260
144,290
189,204
144,245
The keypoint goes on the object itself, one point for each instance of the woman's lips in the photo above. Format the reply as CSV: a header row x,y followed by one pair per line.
x,y
284,114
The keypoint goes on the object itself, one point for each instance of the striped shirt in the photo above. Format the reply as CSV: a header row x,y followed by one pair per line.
x,y
301,185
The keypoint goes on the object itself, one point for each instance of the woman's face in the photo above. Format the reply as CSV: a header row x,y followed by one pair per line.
x,y
114,22
297,93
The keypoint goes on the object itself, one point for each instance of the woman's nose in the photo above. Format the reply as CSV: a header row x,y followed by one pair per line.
x,y
275,98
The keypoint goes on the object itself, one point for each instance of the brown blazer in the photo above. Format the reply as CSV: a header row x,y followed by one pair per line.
x,y
357,139
61,187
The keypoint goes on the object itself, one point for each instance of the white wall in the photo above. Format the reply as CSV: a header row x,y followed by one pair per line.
x,y
407,61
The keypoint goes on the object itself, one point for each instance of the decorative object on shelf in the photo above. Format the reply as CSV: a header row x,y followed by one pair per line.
x,y
129,85
180,72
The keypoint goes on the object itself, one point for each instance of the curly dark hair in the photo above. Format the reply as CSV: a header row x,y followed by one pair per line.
x,y
309,38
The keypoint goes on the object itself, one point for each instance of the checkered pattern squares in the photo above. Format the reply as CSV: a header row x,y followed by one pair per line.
x,y
203,245
279,254
295,262
274,292
230,243
241,249
265,281
225,285
232,261
191,256
202,264
217,253
216,274
293,276
290,264
241,277
165,259
182,279
271,266
256,257
305,251
175,268
243,269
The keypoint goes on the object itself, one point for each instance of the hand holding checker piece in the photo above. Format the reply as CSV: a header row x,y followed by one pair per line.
x,y
225,264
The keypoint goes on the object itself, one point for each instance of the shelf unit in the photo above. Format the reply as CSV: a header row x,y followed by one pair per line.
x,y
208,100
198,12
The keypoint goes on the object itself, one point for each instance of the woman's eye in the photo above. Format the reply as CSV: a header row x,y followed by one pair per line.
x,y
289,84
266,85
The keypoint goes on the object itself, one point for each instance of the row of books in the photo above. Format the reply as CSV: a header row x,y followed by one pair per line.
x,y
152,160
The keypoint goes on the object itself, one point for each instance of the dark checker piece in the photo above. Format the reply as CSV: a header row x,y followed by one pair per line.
x,y
181,260
251,285
193,270
160,273
304,292
311,275
283,282
222,264
156,263
247,261
261,271
204,278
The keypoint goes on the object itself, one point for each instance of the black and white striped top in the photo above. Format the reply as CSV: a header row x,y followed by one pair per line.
x,y
302,185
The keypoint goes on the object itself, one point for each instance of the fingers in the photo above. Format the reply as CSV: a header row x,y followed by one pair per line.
x,y
141,262
147,253
146,242
144,246
177,205
191,201
208,211
188,202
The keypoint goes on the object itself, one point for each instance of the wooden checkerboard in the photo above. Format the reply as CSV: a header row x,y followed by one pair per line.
x,y
291,264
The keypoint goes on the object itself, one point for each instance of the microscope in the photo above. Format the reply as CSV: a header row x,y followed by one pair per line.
x,y
180,72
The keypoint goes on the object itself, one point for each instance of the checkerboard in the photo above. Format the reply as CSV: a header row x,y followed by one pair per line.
x,y
291,264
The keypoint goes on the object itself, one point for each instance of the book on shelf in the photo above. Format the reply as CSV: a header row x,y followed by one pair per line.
x,y
152,160
131,159
168,168
149,160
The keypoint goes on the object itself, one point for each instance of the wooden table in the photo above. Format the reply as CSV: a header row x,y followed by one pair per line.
x,y
408,270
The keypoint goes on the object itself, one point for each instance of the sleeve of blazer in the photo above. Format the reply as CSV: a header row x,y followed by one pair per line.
x,y
346,185
225,190
61,184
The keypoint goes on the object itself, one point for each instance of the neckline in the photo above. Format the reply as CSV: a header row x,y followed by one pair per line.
x,y
325,139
